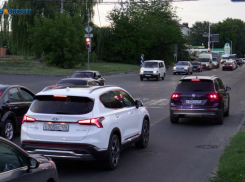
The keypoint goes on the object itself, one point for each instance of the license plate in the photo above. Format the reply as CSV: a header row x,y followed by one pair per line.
x,y
147,75
193,101
56,127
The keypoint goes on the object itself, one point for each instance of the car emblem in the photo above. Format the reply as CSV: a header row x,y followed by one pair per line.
x,y
193,95
55,118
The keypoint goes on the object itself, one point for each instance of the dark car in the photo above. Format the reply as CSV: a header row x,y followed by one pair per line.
x,y
79,81
197,66
89,74
14,103
18,166
239,61
229,65
200,96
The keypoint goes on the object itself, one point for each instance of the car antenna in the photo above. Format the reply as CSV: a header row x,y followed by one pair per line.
x,y
3,81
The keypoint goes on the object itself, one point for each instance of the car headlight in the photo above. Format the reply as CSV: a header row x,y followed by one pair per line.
x,y
206,64
174,68
155,71
141,72
186,67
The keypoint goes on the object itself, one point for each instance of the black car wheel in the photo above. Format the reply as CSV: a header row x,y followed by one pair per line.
x,y
145,133
227,113
158,77
173,119
220,118
113,155
141,78
8,130
163,76
174,73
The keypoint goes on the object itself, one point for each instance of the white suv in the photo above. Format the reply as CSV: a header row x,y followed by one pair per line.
x,y
84,123
153,69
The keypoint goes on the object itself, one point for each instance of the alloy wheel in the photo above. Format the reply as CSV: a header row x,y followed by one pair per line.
x,y
115,152
9,131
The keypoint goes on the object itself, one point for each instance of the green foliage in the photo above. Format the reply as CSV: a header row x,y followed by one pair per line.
x,y
148,28
60,40
196,35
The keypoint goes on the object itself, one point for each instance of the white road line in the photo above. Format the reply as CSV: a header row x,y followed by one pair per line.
x,y
148,102
164,103
159,101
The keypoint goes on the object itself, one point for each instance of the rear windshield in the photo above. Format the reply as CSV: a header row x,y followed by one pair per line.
x,y
73,82
62,105
150,64
203,60
182,63
188,85
82,75
195,63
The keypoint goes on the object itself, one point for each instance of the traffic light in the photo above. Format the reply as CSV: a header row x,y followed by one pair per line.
x,y
88,42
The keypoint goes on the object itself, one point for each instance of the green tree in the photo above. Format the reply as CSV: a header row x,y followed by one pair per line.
x,y
196,35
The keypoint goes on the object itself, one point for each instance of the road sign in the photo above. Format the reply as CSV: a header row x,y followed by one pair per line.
x,y
88,29
88,35
214,37
205,35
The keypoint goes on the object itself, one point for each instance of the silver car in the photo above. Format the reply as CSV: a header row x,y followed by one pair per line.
x,y
17,166
183,67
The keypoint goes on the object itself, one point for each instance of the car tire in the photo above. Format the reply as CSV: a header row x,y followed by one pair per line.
x,y
113,155
227,113
145,135
220,118
191,73
8,130
158,77
174,73
173,119
187,73
148,78
141,78
163,76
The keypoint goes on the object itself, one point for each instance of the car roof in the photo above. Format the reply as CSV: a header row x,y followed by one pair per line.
x,y
154,61
88,91
85,71
199,77
85,79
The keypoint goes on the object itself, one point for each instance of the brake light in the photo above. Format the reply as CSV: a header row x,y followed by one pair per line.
x,y
174,96
53,86
63,96
28,119
223,65
230,64
213,96
195,80
94,121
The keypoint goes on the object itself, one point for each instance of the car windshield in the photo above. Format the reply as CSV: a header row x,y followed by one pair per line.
x,y
203,60
62,105
182,63
82,75
150,64
188,85
195,63
73,82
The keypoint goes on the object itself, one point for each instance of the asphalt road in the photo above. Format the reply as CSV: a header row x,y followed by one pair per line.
x,y
186,152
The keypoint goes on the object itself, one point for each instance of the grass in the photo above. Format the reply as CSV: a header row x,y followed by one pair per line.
x,y
36,67
232,163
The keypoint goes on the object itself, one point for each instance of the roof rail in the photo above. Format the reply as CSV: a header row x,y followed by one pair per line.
x,y
97,88
213,76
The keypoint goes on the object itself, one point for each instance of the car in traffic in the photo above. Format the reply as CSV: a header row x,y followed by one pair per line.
x,y
239,61
93,123
14,103
229,65
16,165
183,67
89,74
206,61
215,63
78,81
153,69
197,66
200,96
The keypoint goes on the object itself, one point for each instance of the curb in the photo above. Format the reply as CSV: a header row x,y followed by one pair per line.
x,y
241,126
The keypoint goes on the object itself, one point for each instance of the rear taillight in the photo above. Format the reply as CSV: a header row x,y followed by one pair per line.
x,y
230,64
94,121
213,96
195,80
62,96
28,119
174,96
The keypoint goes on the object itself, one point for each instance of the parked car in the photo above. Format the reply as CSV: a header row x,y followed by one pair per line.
x,y
90,123
183,67
197,66
200,96
18,166
89,74
153,69
14,103
229,65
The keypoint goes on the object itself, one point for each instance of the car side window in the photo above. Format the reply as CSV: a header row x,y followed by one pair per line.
x,y
14,95
11,158
116,100
6,98
128,101
220,84
216,85
104,98
27,96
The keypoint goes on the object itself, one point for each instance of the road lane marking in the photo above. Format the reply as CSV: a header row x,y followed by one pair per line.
x,y
159,101
159,120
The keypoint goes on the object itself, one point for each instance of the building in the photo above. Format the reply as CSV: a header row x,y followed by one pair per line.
x,y
185,29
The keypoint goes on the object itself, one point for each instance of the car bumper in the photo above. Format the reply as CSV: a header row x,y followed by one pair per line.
x,y
71,151
150,75
180,71
227,68
207,112
196,69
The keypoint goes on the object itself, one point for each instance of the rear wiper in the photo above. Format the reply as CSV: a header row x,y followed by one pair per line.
x,y
198,90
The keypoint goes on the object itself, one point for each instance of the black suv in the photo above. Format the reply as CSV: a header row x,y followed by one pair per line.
x,y
15,101
202,96
89,74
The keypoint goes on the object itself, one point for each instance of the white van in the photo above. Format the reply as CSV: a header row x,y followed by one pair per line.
x,y
206,61
153,69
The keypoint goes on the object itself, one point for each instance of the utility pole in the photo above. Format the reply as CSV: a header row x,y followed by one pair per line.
x,y
62,6
90,43
209,36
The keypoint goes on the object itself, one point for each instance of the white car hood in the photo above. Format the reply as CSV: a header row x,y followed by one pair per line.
x,y
148,69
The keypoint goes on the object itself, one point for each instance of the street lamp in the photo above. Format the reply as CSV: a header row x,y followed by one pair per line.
x,y
231,44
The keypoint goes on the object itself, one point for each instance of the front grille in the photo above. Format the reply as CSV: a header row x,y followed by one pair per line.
x,y
147,72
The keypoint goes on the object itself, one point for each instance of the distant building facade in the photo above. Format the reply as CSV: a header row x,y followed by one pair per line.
x,y
185,29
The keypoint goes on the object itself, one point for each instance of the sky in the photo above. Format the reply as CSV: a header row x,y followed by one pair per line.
x,y
189,12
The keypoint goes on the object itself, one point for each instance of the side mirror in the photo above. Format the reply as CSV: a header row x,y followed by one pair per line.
x,y
138,103
228,88
33,163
